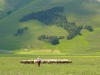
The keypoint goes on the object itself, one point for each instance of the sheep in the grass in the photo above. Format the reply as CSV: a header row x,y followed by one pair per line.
x,y
23,61
44,61
35,61
49,61
30,61
69,61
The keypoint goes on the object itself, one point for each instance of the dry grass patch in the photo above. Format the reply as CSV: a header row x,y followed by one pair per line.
x,y
56,51
47,51
41,52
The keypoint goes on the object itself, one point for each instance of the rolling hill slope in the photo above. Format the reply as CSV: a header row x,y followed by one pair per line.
x,y
82,12
11,5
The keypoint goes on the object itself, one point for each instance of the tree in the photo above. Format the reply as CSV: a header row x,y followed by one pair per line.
x,y
20,31
89,28
9,12
54,40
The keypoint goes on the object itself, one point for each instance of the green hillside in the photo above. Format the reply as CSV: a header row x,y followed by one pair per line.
x,y
11,5
82,12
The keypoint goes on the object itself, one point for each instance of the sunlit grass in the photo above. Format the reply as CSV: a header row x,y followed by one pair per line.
x,y
78,11
81,65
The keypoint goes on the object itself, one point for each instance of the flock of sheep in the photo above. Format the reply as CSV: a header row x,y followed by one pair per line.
x,y
46,61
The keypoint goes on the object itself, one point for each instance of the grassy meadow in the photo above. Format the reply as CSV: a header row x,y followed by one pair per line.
x,y
83,50
82,12
81,65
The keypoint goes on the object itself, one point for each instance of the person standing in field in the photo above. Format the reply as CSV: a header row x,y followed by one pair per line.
x,y
39,61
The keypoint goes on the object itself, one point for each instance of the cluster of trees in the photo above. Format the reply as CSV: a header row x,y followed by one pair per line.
x,y
53,17
47,17
54,40
89,28
61,37
20,31
72,29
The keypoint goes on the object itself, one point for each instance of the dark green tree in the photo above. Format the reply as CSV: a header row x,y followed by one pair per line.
x,y
9,12
89,28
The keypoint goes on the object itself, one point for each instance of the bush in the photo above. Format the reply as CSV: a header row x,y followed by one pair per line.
x,y
9,12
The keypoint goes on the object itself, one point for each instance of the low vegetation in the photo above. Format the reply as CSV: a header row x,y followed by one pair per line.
x,y
20,31
81,65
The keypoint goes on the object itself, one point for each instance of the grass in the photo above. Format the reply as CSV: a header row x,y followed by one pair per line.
x,y
11,5
80,11
81,65
2,4
12,49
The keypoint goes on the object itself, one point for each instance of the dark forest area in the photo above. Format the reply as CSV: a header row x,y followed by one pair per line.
x,y
53,17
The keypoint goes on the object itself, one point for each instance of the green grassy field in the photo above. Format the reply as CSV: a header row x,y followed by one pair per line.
x,y
81,65
83,50
82,12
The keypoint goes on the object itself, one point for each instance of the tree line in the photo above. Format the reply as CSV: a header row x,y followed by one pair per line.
x,y
20,31
47,17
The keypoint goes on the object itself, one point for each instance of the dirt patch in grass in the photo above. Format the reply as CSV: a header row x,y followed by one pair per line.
x,y
56,51
47,51
41,52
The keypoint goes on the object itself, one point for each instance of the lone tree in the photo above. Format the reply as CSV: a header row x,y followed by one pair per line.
x,y
9,12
